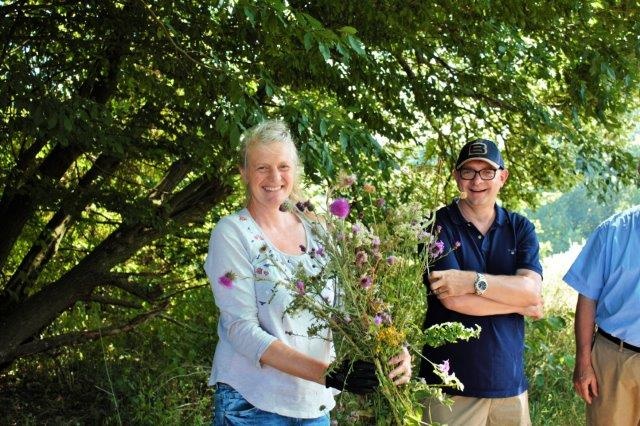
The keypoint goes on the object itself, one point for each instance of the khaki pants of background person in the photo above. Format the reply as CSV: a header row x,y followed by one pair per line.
x,y
618,374
480,411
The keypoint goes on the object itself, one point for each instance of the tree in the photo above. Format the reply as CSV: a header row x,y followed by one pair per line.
x,y
121,123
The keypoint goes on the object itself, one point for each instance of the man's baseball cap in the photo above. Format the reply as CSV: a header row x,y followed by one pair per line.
x,y
480,149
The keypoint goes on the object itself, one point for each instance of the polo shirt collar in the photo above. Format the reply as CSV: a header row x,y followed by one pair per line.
x,y
458,219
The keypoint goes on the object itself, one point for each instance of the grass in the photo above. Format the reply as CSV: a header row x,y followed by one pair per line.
x,y
550,350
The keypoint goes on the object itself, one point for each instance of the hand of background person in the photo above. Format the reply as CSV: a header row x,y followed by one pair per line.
x,y
402,373
585,382
452,282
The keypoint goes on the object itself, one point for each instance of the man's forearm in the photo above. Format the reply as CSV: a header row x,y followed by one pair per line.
x,y
522,289
471,304
584,328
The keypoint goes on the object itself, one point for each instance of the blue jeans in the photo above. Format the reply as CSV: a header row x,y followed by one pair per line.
x,y
231,409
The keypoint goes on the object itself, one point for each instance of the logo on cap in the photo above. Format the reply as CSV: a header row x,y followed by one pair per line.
x,y
478,148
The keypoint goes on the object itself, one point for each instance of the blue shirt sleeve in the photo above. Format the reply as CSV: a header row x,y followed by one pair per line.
x,y
586,274
528,250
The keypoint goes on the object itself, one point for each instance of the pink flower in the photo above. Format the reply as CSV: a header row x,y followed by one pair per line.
x,y
380,202
340,208
300,287
436,248
361,258
377,320
391,259
226,280
444,367
366,282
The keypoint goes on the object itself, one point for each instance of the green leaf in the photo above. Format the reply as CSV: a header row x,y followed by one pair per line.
x,y
347,30
324,50
323,127
308,41
356,45
250,14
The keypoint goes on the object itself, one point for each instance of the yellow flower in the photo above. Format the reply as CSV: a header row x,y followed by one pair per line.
x,y
390,337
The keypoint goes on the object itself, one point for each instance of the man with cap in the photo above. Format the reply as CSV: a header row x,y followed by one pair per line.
x,y
493,279
606,273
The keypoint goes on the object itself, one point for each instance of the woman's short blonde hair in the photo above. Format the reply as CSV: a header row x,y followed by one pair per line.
x,y
266,133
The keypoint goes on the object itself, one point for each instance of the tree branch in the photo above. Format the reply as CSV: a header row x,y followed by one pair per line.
x,y
76,338
104,300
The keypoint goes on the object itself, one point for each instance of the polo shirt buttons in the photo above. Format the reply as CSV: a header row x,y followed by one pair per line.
x,y
479,237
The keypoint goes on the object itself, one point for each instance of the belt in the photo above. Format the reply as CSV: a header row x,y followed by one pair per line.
x,y
617,341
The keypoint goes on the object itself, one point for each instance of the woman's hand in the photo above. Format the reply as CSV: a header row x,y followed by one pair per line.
x,y
402,373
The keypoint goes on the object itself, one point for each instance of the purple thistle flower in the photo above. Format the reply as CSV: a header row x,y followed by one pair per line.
x,y
386,318
375,242
366,282
300,287
340,208
226,280
320,251
356,228
377,320
436,248
380,202
361,258
392,259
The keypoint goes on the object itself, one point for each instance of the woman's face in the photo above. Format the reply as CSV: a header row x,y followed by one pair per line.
x,y
269,174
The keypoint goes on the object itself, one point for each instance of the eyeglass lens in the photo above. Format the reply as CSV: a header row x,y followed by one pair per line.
x,y
470,174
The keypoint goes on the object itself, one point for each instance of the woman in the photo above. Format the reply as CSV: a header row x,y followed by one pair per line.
x,y
266,369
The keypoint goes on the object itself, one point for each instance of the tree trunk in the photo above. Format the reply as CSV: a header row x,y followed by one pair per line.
x,y
26,319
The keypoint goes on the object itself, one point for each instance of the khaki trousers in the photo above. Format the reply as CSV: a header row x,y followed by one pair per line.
x,y
512,411
618,374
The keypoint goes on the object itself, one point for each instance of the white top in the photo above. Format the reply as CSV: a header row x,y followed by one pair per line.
x,y
252,316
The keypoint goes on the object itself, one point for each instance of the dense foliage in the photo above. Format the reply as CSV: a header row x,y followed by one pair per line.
x,y
120,123
572,216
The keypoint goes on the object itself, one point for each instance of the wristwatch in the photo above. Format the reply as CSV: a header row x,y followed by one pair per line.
x,y
480,284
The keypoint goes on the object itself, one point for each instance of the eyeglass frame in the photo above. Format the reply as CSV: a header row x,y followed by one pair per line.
x,y
478,173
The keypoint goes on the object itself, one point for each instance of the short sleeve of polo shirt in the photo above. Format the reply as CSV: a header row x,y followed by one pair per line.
x,y
528,250
586,274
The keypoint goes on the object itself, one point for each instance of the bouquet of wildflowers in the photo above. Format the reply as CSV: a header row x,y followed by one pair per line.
x,y
377,267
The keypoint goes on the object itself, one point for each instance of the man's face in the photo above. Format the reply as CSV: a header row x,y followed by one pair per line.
x,y
480,192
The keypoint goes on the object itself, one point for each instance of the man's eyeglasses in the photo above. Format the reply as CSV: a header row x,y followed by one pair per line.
x,y
470,174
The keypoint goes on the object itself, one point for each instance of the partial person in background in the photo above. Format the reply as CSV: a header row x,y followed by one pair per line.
x,y
606,274
492,279
267,369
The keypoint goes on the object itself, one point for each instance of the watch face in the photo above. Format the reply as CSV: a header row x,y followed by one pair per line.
x,y
482,285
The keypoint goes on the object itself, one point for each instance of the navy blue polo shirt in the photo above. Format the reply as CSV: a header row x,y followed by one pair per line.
x,y
493,365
